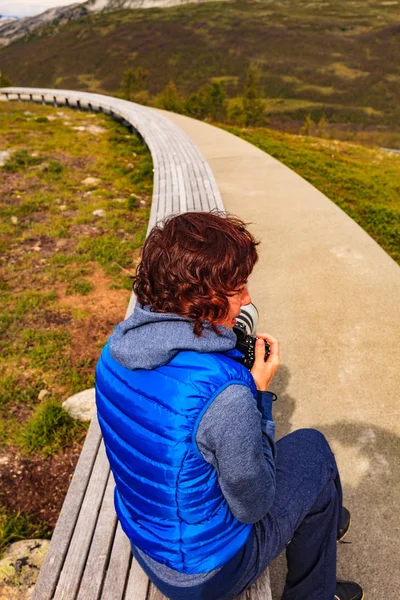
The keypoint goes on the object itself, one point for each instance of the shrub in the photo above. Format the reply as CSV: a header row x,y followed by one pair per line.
x,y
50,429
170,99
253,105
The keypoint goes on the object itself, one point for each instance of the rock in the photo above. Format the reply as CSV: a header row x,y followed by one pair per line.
x,y
78,128
63,207
19,568
95,129
14,220
91,181
99,212
58,201
4,156
81,406
42,394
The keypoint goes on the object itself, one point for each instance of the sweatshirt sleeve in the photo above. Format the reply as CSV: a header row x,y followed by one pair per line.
x,y
236,436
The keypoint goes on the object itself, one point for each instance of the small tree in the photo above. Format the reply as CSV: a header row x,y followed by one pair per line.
x,y
308,126
170,99
322,123
133,81
253,105
235,114
197,104
216,97
4,81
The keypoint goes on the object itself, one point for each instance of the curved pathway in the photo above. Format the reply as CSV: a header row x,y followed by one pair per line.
x,y
332,296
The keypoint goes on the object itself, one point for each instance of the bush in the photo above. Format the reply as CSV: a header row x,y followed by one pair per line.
x,y
50,430
170,99
253,105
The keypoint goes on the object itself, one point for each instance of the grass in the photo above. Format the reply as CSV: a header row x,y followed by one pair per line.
x,y
53,251
19,527
364,182
50,430
79,286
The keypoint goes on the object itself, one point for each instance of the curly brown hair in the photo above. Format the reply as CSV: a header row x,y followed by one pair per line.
x,y
192,262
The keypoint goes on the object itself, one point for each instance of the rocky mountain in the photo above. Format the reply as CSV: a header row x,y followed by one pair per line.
x,y
13,30
10,31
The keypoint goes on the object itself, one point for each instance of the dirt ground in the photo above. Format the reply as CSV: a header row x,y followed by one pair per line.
x,y
37,486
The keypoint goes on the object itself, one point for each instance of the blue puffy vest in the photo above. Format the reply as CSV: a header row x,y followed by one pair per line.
x,y
167,497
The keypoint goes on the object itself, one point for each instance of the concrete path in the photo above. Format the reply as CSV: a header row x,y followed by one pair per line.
x,y
331,295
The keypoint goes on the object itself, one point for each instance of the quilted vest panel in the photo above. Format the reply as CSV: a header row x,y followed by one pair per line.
x,y
167,497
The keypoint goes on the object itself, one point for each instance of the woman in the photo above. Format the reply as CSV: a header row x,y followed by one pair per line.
x,y
205,496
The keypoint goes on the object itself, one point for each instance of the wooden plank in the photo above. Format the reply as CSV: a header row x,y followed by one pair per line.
x,y
138,583
261,589
70,576
118,569
155,594
191,187
100,547
64,529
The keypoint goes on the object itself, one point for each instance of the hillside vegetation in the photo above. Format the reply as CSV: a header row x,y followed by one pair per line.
x,y
338,59
75,193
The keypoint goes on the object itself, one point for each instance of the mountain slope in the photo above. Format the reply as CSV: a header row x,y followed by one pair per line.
x,y
12,31
337,58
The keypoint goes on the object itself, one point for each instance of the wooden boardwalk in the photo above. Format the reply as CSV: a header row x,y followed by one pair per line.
x,y
89,556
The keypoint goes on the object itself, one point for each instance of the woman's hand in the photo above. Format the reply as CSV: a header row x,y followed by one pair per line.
x,y
264,372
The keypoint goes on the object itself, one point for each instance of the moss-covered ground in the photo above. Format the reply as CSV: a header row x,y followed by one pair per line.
x,y
64,284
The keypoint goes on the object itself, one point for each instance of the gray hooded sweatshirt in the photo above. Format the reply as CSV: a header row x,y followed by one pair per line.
x,y
235,434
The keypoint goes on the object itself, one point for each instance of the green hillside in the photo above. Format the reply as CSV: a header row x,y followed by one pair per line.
x,y
338,58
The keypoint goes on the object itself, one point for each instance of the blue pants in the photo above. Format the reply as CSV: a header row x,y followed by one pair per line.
x,y
304,520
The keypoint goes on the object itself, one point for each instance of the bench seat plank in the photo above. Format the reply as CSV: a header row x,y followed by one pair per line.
x,y
50,571
118,569
138,583
69,581
100,547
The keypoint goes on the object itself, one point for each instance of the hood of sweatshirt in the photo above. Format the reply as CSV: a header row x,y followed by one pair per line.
x,y
147,339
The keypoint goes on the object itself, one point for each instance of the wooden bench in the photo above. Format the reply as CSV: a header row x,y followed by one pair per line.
x,y
89,557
